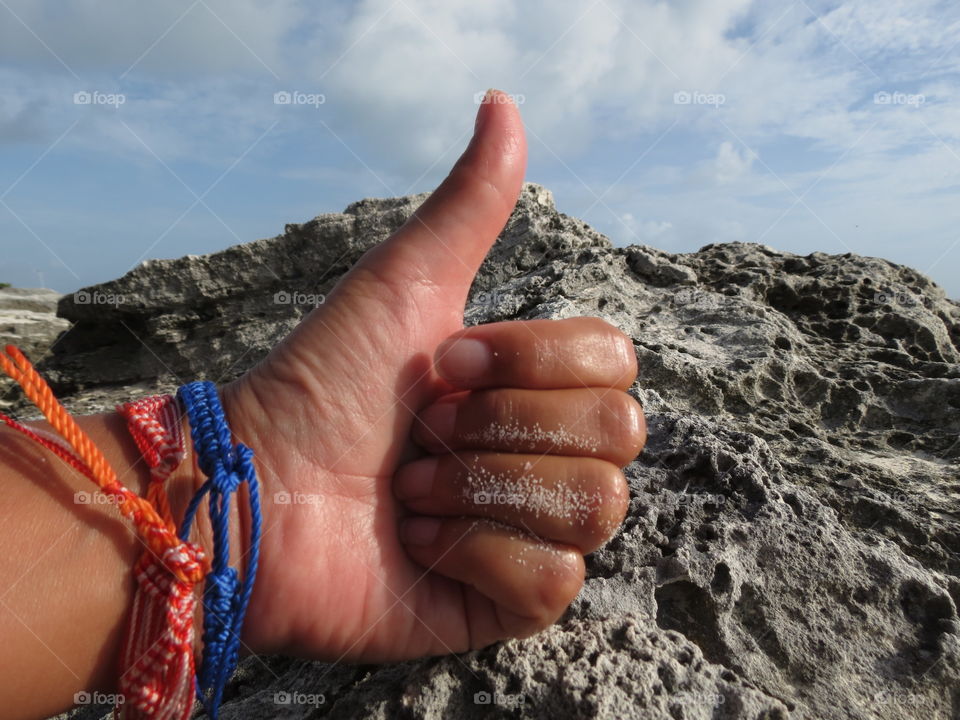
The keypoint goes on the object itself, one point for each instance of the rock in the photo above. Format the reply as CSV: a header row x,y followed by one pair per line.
x,y
792,548
28,317
28,320
659,268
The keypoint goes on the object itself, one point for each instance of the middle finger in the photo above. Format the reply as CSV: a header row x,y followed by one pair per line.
x,y
603,423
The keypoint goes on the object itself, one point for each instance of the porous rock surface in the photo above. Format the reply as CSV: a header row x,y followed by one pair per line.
x,y
792,548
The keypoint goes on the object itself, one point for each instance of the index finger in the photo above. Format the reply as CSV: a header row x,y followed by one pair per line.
x,y
539,355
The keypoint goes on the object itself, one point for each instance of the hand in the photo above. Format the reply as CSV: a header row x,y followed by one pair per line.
x,y
439,500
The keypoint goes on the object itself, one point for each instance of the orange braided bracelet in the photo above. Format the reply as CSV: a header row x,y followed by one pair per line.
x,y
158,679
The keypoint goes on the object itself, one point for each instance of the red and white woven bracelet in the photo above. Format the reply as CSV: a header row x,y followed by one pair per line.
x,y
157,663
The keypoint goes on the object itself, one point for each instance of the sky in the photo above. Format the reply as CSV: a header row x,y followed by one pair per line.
x,y
131,131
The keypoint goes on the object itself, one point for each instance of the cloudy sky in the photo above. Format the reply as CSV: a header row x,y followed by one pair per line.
x,y
137,130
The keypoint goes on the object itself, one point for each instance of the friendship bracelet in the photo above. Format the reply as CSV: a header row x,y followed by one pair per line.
x,y
225,599
158,678
157,664
167,572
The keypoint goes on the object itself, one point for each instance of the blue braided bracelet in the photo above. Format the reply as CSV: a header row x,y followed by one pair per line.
x,y
225,599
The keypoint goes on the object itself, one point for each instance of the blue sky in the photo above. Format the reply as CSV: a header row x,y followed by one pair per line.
x,y
807,126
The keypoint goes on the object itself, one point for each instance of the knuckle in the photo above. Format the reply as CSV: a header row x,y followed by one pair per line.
x,y
634,424
421,433
548,358
612,509
602,328
558,589
499,407
619,355
426,436
622,354
619,501
623,425
597,324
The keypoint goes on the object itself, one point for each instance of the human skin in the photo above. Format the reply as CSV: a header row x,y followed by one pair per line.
x,y
372,433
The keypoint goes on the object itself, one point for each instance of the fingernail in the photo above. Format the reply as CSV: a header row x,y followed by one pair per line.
x,y
415,480
464,359
438,422
482,111
419,530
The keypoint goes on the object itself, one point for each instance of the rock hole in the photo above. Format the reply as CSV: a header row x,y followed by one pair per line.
x,y
690,610
721,582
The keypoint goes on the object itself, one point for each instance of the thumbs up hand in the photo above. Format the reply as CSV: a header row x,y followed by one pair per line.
x,y
430,488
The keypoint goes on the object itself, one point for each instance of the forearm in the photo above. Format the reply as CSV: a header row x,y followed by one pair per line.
x,y
66,567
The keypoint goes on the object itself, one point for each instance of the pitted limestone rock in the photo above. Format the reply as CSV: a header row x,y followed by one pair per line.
x,y
792,548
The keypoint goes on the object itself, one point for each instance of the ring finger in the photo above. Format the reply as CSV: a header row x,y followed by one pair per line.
x,y
578,501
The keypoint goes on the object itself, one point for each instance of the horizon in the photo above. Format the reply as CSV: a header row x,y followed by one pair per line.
x,y
84,287
128,134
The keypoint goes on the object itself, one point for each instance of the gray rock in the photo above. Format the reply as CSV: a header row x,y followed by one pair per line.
x,y
28,320
792,548
28,317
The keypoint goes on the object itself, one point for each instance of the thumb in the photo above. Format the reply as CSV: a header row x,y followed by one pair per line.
x,y
446,239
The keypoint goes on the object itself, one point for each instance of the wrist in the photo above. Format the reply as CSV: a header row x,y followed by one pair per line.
x,y
241,515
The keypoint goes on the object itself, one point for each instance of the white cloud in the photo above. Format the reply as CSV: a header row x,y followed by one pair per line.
x,y
642,231
598,81
731,163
